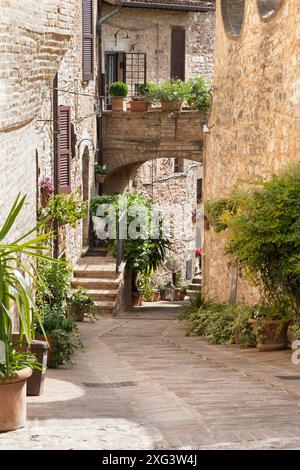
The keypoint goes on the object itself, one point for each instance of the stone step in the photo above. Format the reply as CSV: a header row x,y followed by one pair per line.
x,y
195,287
90,283
104,308
193,293
197,280
102,295
95,260
95,272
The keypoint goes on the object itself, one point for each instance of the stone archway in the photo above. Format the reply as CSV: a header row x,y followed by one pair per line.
x,y
233,12
85,195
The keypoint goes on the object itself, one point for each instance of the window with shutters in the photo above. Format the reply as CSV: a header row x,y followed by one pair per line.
x,y
178,53
87,40
64,149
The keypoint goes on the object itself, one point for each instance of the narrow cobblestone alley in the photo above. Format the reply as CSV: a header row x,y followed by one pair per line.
x,y
142,384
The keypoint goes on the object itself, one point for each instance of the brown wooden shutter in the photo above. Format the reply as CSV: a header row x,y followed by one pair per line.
x,y
87,40
178,53
64,150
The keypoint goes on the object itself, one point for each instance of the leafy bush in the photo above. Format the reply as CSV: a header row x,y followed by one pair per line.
x,y
175,91
219,323
98,200
215,210
264,237
66,208
64,332
148,91
200,95
55,282
118,89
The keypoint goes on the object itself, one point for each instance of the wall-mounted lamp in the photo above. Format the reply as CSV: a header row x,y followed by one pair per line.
x,y
117,33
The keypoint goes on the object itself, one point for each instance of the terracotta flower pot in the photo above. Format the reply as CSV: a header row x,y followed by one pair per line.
x,y
76,313
137,299
271,334
177,294
170,106
118,104
45,197
182,295
162,295
139,106
13,400
100,178
155,296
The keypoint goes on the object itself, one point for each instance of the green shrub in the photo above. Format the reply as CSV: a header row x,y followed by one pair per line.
x,y
64,332
219,323
200,95
175,91
66,208
98,200
55,282
101,170
118,89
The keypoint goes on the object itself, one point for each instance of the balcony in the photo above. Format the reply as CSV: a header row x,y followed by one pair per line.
x,y
131,137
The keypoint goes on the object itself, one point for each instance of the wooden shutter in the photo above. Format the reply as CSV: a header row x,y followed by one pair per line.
x,y
178,53
87,40
64,149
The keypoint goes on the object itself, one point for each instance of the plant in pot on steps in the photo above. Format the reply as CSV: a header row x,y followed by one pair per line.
x,y
172,95
155,294
18,278
183,290
101,172
118,91
81,306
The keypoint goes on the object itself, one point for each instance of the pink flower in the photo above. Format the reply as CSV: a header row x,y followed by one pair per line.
x,y
47,184
198,252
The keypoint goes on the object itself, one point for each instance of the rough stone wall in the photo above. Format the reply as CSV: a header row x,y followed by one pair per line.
x,y
150,32
32,40
36,41
255,121
165,188
80,96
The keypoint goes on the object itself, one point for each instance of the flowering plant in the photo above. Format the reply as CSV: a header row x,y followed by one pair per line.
x,y
198,252
47,184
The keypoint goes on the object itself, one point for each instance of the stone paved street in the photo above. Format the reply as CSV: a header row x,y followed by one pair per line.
x,y
141,384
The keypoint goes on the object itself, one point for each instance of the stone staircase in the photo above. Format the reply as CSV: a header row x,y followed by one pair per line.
x,y
195,286
96,273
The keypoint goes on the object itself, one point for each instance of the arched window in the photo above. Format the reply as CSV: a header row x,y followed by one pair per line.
x,y
233,16
268,7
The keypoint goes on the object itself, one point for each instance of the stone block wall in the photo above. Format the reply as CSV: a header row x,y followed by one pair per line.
x,y
150,31
255,120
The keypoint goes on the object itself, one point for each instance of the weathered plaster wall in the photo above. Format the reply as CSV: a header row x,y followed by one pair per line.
x,y
255,118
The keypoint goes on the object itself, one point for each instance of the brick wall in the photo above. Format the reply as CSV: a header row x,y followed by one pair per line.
x,y
255,118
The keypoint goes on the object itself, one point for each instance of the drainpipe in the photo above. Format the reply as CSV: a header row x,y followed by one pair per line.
x,y
101,80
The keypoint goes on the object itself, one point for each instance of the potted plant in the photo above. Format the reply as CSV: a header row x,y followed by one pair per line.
x,y
101,172
145,96
155,295
162,291
47,189
118,91
270,324
183,291
16,365
199,93
172,95
80,305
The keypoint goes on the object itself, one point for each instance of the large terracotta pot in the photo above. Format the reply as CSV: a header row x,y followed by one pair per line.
x,y
13,400
100,178
271,334
177,294
139,106
170,106
118,104
76,312
137,298
155,296
182,295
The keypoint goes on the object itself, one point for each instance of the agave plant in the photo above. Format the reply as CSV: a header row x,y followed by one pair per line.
x,y
18,277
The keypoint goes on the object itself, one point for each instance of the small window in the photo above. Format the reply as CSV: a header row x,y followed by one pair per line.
x,y
178,165
199,190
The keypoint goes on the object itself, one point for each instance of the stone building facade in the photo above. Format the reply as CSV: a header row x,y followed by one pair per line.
x,y
255,119
165,178
38,41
